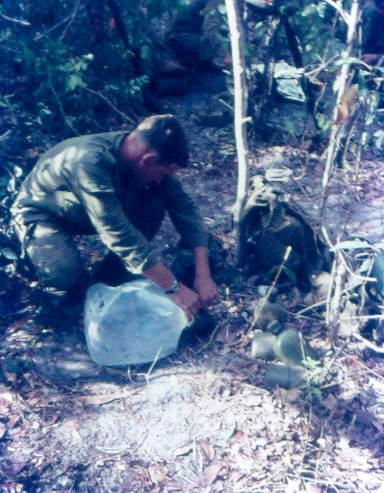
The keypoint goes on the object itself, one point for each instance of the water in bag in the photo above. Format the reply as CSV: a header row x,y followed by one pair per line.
x,y
132,323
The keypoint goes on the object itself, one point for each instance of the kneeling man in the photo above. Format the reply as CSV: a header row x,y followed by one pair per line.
x,y
119,186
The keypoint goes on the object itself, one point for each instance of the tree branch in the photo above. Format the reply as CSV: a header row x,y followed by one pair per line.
x,y
61,23
72,18
22,22
111,105
341,83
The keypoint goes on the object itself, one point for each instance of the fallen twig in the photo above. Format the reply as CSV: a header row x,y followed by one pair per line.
x,y
211,338
22,22
272,287
369,344
328,366
356,317
324,64
5,136
369,370
311,307
153,364
332,484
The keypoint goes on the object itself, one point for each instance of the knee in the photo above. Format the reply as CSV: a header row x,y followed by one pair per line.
x,y
54,268
63,276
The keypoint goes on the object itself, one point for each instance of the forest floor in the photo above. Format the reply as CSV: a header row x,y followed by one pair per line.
x,y
201,420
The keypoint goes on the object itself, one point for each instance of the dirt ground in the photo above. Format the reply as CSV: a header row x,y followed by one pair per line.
x,y
201,420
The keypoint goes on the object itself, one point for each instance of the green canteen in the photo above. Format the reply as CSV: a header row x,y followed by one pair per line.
x,y
284,376
262,346
291,348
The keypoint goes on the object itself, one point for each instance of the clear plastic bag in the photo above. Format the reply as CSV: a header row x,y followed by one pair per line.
x,y
132,323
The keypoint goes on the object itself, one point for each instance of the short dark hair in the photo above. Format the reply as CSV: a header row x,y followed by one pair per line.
x,y
164,134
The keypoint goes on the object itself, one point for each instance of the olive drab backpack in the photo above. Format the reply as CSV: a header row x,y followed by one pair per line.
x,y
271,222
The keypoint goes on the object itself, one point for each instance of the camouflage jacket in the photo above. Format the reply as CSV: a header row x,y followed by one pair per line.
x,y
76,184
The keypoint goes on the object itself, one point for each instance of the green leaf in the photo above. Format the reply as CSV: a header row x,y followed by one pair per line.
x,y
324,123
146,53
74,81
89,57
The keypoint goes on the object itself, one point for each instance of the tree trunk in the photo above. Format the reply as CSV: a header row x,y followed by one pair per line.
x,y
240,121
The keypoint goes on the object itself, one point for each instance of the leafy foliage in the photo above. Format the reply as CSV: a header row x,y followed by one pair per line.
x,y
70,63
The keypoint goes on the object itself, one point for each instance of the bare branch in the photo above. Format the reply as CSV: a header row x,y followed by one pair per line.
x,y
22,22
345,16
271,287
72,18
61,23
240,114
111,105
341,83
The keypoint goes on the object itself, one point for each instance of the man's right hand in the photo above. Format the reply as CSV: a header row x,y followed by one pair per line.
x,y
185,298
188,300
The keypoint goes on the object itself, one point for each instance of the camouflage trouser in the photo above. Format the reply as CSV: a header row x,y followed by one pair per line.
x,y
52,254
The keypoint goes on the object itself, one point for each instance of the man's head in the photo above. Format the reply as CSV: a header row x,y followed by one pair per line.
x,y
155,149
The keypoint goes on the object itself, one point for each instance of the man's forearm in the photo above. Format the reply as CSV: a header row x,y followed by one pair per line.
x,y
204,284
161,275
202,269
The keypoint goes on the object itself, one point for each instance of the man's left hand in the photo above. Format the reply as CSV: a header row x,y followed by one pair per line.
x,y
206,289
